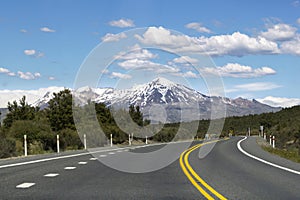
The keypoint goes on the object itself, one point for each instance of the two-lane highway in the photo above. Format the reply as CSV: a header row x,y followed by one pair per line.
x,y
225,173
83,177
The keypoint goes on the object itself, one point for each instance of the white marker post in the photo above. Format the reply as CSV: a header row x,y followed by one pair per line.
x,y
249,131
270,139
57,143
146,139
265,137
273,141
262,131
25,145
111,142
84,141
129,140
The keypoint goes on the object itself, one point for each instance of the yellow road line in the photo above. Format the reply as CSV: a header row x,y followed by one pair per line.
x,y
192,175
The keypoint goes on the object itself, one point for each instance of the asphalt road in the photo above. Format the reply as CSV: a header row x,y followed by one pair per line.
x,y
226,169
237,176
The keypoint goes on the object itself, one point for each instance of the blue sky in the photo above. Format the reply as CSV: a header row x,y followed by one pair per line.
x,y
255,45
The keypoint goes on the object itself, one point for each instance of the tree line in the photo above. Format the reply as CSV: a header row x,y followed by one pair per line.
x,y
42,126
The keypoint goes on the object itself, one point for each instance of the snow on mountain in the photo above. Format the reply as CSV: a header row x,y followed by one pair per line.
x,y
31,95
174,98
158,91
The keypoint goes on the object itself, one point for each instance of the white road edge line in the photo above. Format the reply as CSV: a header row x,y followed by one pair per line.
x,y
69,168
81,154
51,175
82,163
264,161
25,185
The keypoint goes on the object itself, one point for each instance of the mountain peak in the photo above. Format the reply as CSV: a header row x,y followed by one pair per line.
x,y
163,81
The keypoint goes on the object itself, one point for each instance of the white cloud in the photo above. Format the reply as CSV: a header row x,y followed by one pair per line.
x,y
110,37
298,21
32,52
238,71
29,52
122,23
28,75
292,46
135,52
4,70
188,74
185,60
236,44
51,78
7,72
120,75
280,101
198,27
138,64
253,87
279,32
47,30
11,74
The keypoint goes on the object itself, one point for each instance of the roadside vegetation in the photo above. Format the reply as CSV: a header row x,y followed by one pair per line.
x,y
42,126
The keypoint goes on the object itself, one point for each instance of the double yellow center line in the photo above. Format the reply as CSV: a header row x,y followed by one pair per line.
x,y
194,178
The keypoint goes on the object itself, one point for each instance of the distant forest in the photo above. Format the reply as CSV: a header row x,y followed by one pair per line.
x,y
42,126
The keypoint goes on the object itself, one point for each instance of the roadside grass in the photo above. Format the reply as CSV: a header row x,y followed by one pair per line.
x,y
288,154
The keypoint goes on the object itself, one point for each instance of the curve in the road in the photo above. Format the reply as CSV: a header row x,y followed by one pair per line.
x,y
193,177
262,160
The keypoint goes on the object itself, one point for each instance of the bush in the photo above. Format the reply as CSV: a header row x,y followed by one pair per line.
x,y
7,147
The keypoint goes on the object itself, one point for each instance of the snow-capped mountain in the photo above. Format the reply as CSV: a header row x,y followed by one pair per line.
x,y
158,91
175,99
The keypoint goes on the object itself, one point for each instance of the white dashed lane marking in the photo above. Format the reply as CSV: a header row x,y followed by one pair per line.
x,y
51,175
119,151
111,153
25,185
70,168
93,158
101,156
82,163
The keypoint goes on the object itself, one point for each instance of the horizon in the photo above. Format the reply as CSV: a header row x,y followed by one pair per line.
x,y
42,50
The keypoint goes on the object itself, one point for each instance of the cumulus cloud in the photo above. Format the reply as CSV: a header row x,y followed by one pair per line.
x,y
136,52
4,70
253,87
7,72
32,52
28,75
29,52
185,60
120,75
239,71
279,32
122,23
138,64
198,27
236,44
298,21
47,30
280,101
292,46
110,37
22,75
